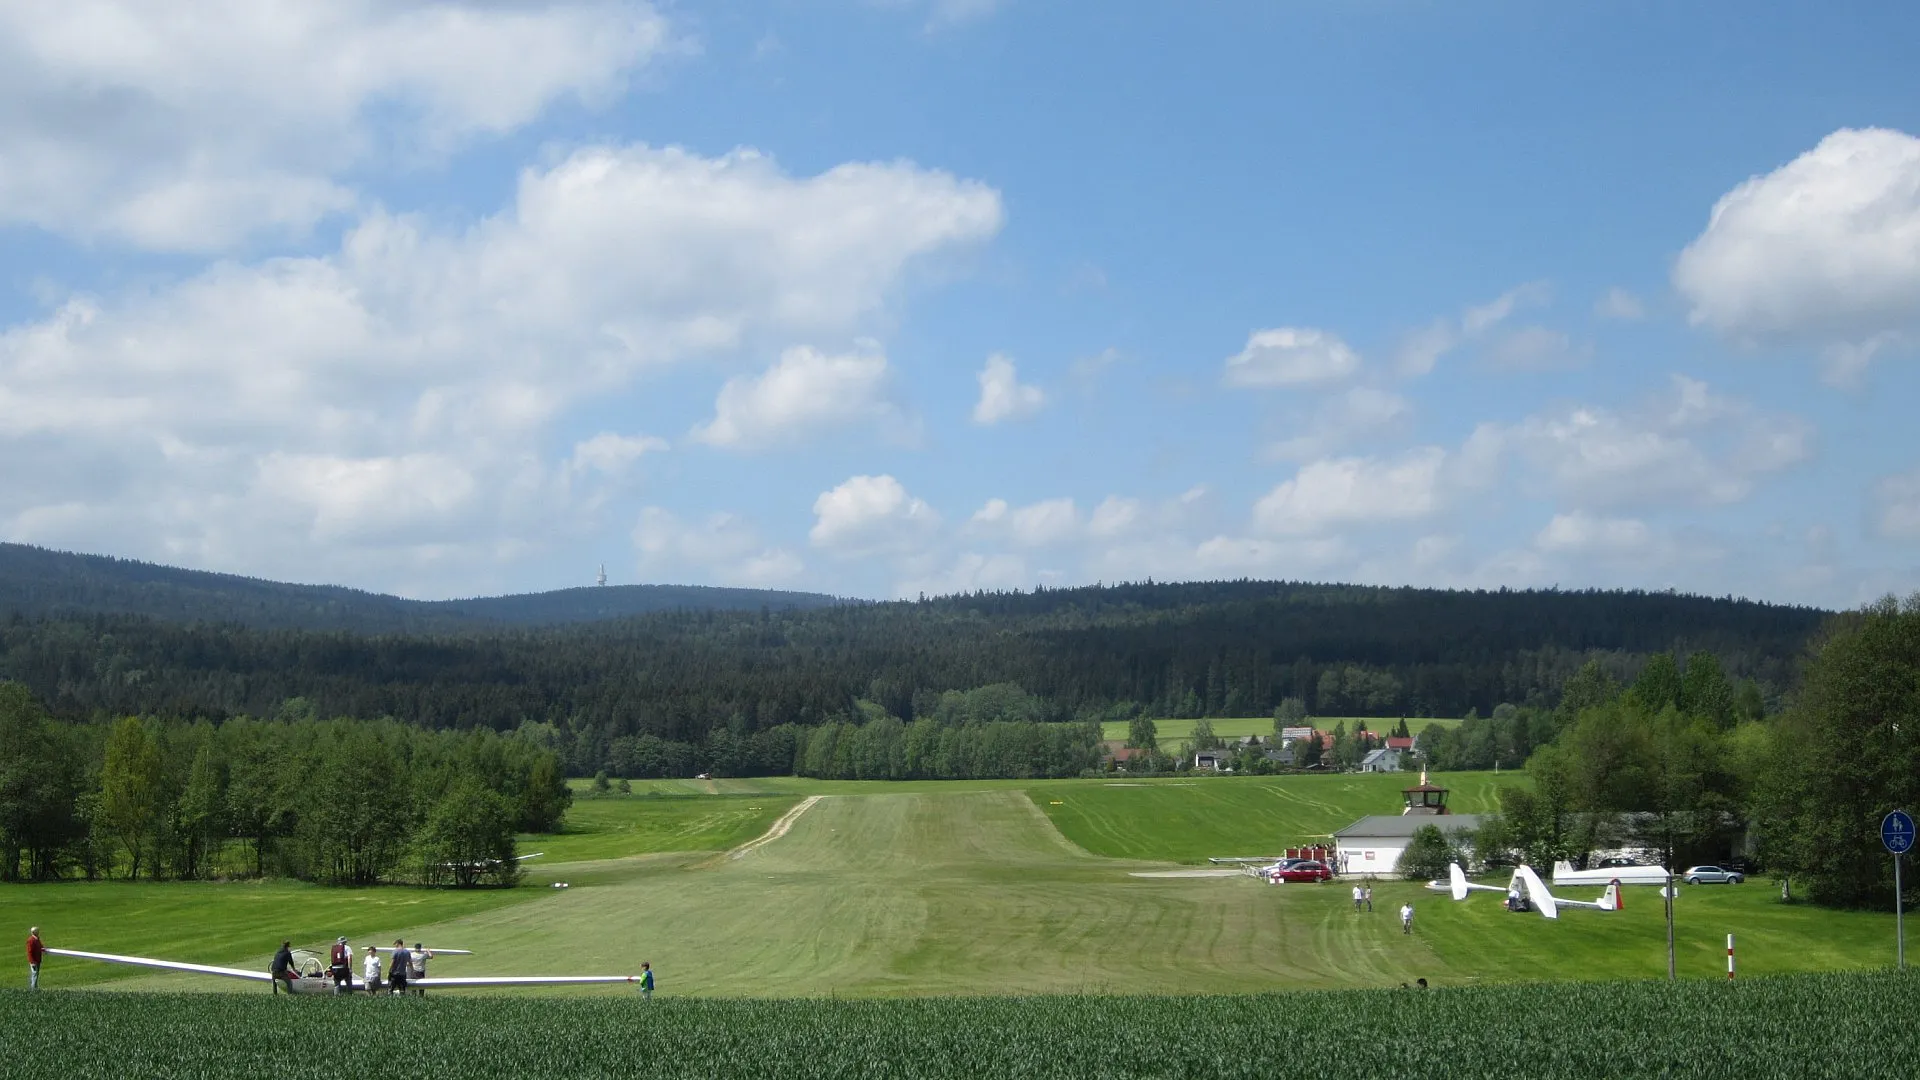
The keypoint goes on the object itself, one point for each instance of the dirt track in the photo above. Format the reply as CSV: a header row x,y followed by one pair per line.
x,y
777,830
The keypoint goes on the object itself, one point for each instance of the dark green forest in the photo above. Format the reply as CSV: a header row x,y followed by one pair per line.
x,y
38,583
1209,649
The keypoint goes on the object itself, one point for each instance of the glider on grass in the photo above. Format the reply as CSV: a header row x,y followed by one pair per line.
x,y
310,975
1526,884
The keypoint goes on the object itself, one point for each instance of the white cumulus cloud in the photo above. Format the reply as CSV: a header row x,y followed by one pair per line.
x,y
1325,495
1688,445
195,124
1003,396
1826,248
1291,356
805,393
871,515
147,418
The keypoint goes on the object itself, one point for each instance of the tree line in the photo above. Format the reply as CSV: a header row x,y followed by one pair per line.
x,y
693,686
1686,765
347,802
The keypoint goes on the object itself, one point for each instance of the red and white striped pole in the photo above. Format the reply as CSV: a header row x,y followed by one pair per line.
x,y
1729,957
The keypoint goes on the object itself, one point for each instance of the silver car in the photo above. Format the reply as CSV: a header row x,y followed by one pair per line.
x,y
1712,875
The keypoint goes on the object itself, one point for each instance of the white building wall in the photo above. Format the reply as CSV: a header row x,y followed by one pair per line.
x,y
1361,855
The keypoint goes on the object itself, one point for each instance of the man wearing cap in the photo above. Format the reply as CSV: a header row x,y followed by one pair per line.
x,y
35,951
340,964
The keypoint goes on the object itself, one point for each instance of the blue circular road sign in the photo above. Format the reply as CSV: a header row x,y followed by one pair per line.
x,y
1896,831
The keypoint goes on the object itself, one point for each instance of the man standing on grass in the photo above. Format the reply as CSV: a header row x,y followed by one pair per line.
x,y
1356,899
1406,917
1366,893
35,951
399,966
370,971
419,974
340,965
646,980
282,967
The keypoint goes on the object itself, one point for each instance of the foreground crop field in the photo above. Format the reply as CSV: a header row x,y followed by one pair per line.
x,y
1807,1027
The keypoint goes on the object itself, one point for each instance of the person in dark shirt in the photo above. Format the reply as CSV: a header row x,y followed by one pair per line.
x,y
340,966
399,965
282,967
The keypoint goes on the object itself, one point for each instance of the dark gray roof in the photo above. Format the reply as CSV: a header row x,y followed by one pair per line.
x,y
1397,825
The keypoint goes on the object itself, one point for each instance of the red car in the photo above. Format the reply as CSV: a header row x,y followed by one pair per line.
x,y
1303,871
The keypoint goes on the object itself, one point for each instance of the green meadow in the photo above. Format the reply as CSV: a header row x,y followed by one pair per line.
x,y
1194,819
617,826
999,887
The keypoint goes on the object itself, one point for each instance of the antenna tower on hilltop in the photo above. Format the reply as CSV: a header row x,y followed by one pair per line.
x,y
602,579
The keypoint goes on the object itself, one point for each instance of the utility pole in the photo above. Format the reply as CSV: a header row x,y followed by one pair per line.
x,y
1669,891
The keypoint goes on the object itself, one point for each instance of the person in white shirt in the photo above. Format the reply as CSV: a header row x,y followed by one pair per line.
x,y
420,958
1356,898
1406,918
370,971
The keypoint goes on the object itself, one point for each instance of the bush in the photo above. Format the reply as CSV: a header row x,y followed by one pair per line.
x,y
1427,856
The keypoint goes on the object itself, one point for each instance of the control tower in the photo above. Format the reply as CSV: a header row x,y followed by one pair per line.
x,y
1425,798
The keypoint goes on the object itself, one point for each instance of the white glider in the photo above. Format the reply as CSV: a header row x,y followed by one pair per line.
x,y
310,978
1525,880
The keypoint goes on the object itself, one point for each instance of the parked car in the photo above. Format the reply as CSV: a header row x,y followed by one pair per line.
x,y
1304,871
1712,875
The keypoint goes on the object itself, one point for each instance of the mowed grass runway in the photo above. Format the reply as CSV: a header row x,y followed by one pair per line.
x,y
954,889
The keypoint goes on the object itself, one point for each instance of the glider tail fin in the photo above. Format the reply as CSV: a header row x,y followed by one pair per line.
x,y
1458,879
1610,900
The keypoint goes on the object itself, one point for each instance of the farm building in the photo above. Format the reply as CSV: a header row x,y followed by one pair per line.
x,y
1385,759
1373,845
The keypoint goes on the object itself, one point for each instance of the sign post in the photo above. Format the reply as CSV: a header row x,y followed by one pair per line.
x,y
1896,831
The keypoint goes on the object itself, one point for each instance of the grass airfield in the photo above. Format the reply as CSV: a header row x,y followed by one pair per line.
x,y
950,888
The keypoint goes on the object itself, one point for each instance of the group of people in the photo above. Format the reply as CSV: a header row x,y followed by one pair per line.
x,y
402,967
1363,901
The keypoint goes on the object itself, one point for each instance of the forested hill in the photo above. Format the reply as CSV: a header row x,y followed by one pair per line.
x,y
38,583
1220,649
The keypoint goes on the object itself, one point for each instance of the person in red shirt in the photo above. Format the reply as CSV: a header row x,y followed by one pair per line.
x,y
35,951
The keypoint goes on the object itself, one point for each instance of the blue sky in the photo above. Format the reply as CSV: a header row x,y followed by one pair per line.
x,y
881,297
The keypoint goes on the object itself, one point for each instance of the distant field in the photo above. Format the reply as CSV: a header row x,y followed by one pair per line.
x,y
616,826
1170,732
1191,820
